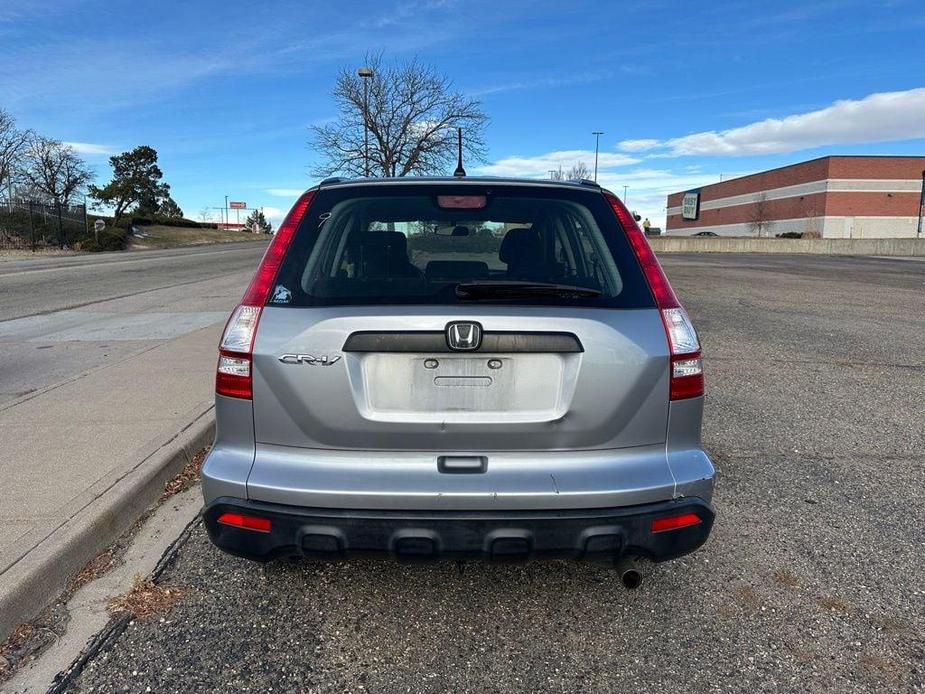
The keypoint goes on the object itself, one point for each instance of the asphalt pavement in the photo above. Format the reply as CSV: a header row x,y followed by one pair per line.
x,y
61,316
812,580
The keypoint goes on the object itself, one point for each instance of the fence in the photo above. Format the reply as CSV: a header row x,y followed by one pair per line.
x,y
27,224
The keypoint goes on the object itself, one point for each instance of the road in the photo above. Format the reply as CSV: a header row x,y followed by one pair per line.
x,y
61,316
812,580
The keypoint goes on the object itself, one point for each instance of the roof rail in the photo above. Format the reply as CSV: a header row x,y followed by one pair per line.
x,y
333,179
588,182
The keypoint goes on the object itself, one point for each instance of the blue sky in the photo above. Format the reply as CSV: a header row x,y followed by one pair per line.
x,y
684,92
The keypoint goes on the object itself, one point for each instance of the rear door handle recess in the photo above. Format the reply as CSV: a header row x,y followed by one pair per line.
x,y
456,464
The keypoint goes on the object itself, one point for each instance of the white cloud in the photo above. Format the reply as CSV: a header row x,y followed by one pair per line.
x,y
875,118
274,215
647,188
285,192
90,148
638,145
540,165
541,83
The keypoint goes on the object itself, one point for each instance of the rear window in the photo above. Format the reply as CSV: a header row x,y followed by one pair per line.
x,y
425,244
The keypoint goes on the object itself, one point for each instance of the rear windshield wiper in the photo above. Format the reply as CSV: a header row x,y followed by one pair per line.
x,y
503,289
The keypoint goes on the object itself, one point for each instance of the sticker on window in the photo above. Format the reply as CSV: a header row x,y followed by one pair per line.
x,y
281,295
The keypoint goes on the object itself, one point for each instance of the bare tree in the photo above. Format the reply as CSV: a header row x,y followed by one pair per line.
x,y
578,172
813,228
760,219
411,112
205,215
12,144
54,170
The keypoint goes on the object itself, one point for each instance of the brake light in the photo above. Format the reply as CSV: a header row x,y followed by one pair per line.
x,y
240,520
233,377
686,365
462,202
684,520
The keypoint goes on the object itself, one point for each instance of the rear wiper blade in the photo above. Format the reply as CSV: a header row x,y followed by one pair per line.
x,y
500,289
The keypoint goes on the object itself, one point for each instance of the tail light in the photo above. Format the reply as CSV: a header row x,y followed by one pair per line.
x,y
686,364
233,376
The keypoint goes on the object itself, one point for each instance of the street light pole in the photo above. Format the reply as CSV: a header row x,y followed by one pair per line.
x,y
365,73
624,194
597,141
225,222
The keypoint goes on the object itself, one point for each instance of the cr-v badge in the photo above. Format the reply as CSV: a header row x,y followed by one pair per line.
x,y
309,359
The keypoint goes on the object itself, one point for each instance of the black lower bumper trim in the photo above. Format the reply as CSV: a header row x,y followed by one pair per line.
x,y
502,535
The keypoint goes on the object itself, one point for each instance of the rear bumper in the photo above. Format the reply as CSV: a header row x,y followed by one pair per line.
x,y
503,535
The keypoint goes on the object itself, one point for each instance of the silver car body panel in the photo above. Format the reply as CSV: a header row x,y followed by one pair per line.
x,y
612,395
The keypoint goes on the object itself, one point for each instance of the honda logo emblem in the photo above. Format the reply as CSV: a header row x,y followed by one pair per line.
x,y
464,336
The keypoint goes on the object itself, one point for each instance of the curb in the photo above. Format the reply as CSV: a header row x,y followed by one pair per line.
x,y
40,577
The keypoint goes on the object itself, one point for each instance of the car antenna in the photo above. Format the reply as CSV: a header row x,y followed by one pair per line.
x,y
460,171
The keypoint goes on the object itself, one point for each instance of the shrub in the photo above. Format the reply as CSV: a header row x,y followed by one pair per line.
x,y
110,239
171,222
790,235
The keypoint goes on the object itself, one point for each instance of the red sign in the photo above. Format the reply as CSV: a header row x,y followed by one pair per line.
x,y
237,205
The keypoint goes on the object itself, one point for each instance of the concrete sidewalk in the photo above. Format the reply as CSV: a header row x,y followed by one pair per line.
x,y
83,458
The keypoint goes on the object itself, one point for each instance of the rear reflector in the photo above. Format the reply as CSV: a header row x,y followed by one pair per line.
x,y
685,520
240,520
686,367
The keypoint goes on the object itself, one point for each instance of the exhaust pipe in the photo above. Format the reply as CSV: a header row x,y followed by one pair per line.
x,y
629,572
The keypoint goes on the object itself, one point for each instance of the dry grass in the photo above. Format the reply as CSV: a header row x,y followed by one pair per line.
x,y
187,477
879,668
145,599
159,236
27,641
892,626
836,604
96,567
786,578
13,647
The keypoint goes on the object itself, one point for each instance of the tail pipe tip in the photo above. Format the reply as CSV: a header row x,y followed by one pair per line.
x,y
629,572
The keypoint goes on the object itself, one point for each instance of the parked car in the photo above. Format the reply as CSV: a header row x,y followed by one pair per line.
x,y
401,378
706,233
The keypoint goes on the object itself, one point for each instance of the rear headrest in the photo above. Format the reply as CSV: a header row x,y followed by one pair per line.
x,y
385,254
520,245
395,241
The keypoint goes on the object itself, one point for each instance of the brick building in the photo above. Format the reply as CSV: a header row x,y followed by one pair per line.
x,y
835,197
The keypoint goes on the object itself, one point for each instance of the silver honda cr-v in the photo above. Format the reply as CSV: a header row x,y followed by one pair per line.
x,y
459,368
